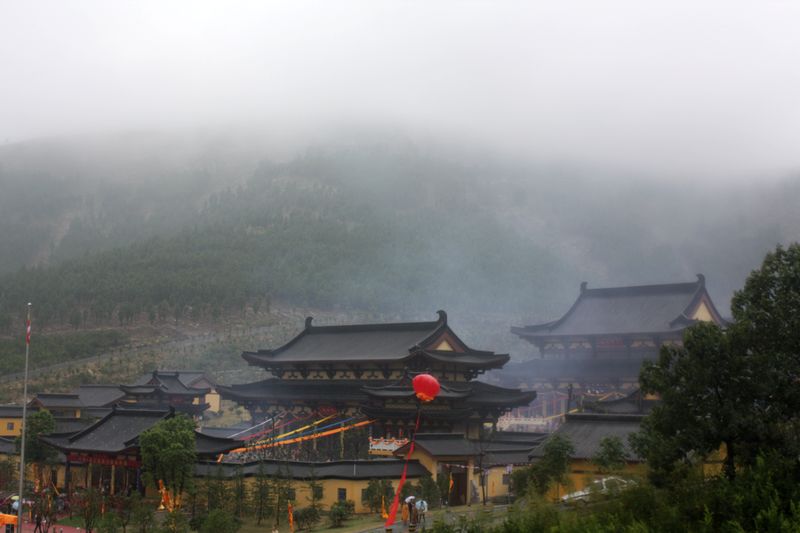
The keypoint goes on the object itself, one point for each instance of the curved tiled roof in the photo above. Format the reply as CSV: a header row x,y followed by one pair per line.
x,y
379,343
586,430
581,370
627,310
359,469
119,432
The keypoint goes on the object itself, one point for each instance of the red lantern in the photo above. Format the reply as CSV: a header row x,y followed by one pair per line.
x,y
426,387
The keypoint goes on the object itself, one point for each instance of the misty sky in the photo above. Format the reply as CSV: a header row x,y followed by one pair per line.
x,y
695,88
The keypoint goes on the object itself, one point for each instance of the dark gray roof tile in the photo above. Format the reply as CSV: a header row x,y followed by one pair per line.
x,y
626,310
99,395
369,469
586,430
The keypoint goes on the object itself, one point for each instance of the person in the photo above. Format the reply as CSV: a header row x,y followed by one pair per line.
x,y
404,515
422,508
411,508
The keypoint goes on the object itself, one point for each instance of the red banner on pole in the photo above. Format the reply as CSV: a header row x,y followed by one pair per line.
x,y
396,500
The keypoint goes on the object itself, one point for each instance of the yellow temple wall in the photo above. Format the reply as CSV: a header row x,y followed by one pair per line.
x,y
10,427
702,313
582,472
213,399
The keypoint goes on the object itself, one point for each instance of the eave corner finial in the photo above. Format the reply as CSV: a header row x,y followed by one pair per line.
x,y
583,286
309,319
701,279
442,316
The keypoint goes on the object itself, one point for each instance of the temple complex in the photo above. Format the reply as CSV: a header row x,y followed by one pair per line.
x,y
365,370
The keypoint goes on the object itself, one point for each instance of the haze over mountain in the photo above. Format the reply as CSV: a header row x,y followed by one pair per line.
x,y
211,222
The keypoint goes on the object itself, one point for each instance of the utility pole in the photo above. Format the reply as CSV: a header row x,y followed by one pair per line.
x,y
21,500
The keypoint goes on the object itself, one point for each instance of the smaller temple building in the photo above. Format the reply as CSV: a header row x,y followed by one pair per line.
x,y
476,469
187,391
106,453
586,431
599,345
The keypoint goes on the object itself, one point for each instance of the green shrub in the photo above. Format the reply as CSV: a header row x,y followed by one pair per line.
x,y
175,522
220,521
306,518
341,511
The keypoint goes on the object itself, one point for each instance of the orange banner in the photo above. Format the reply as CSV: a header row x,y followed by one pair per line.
x,y
300,439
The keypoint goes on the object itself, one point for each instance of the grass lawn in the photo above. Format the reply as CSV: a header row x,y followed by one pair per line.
x,y
356,524
368,522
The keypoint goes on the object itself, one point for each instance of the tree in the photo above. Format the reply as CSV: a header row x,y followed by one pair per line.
x,y
767,326
733,388
340,511
315,489
36,451
220,521
379,493
89,504
44,509
428,490
610,456
554,463
261,494
124,506
168,453
551,467
175,522
143,518
8,474
239,493
706,395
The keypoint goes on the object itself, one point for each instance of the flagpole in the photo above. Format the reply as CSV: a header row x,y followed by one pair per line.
x,y
24,421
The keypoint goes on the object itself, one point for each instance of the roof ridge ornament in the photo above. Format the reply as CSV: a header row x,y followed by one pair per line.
x,y
309,319
583,286
701,279
442,316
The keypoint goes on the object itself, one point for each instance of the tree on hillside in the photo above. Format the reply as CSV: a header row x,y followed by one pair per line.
x,y
733,389
168,454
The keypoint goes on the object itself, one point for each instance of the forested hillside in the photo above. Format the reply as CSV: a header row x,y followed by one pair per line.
x,y
382,227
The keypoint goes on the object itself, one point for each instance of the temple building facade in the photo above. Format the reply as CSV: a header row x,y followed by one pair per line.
x,y
365,370
599,345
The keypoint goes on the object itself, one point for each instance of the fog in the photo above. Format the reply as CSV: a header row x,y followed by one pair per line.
x,y
678,90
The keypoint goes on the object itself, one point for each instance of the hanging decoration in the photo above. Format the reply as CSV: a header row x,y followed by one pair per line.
x,y
426,387
296,440
396,501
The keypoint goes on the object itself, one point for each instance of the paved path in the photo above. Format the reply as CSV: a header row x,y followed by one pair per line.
x,y
28,528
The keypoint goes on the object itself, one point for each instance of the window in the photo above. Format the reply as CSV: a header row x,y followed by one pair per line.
x,y
342,494
506,479
318,492
364,495
10,426
290,495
